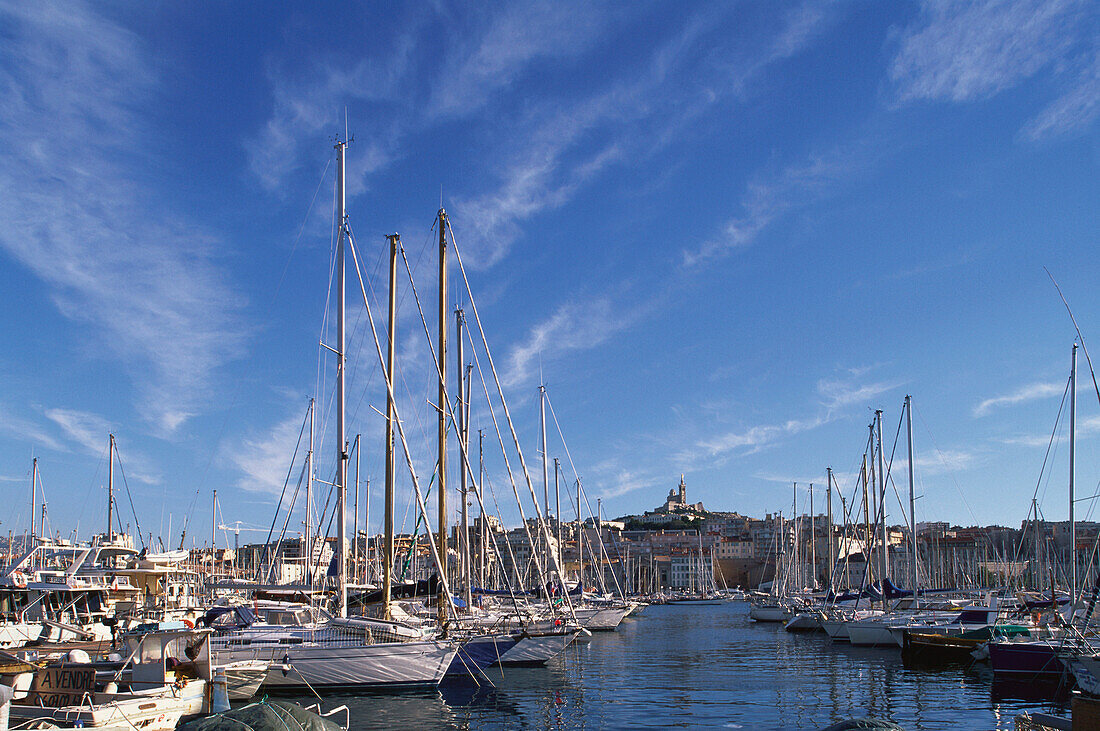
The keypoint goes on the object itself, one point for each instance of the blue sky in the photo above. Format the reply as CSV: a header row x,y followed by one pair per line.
x,y
724,233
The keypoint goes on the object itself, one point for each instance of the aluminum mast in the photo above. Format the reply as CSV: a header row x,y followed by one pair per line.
x,y
387,520
341,437
912,499
1072,455
441,464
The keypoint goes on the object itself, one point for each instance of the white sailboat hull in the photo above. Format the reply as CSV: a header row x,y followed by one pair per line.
x,y
871,634
770,613
390,664
537,649
604,619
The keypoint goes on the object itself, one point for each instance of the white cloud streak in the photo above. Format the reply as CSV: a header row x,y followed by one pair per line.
x,y
89,431
143,280
837,394
27,430
1076,109
970,51
1021,395
574,326
766,199
754,439
264,459
964,51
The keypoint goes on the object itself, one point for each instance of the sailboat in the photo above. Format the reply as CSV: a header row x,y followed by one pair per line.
x,y
340,651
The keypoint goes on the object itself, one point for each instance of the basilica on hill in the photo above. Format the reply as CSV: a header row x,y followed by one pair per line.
x,y
676,502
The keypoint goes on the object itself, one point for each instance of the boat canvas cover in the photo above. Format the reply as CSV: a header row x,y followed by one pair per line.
x,y
265,715
241,616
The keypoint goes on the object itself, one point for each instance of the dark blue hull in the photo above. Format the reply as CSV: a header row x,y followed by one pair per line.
x,y
480,653
1025,659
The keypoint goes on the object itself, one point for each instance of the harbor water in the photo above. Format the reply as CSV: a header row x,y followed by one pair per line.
x,y
707,667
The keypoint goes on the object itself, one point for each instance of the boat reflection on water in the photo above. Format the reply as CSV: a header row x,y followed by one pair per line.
x,y
1057,693
412,708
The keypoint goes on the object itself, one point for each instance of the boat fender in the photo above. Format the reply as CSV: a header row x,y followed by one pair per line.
x,y
188,624
78,656
219,695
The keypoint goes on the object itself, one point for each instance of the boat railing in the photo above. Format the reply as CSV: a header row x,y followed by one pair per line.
x,y
316,708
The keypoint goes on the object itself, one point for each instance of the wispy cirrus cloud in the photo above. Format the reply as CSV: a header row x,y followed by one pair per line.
x,y
1085,428
1030,392
27,430
91,432
144,280
970,51
505,45
497,47
768,197
575,325
962,51
546,147
263,459
838,394
756,438
935,462
638,125
1075,109
624,482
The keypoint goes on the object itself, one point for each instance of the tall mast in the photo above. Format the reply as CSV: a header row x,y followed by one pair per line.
x,y
387,519
829,525
882,496
468,556
601,560
912,499
441,465
482,546
545,474
866,518
307,545
464,534
557,507
580,540
213,535
799,583
34,493
110,486
355,519
813,545
341,437
1072,455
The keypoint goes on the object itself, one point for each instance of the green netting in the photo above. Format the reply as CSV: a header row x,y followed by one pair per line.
x,y
264,715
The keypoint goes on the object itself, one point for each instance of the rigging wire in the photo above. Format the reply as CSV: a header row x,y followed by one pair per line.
x,y
137,523
237,392
286,482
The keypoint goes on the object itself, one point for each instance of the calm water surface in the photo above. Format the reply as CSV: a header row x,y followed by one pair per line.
x,y
705,667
